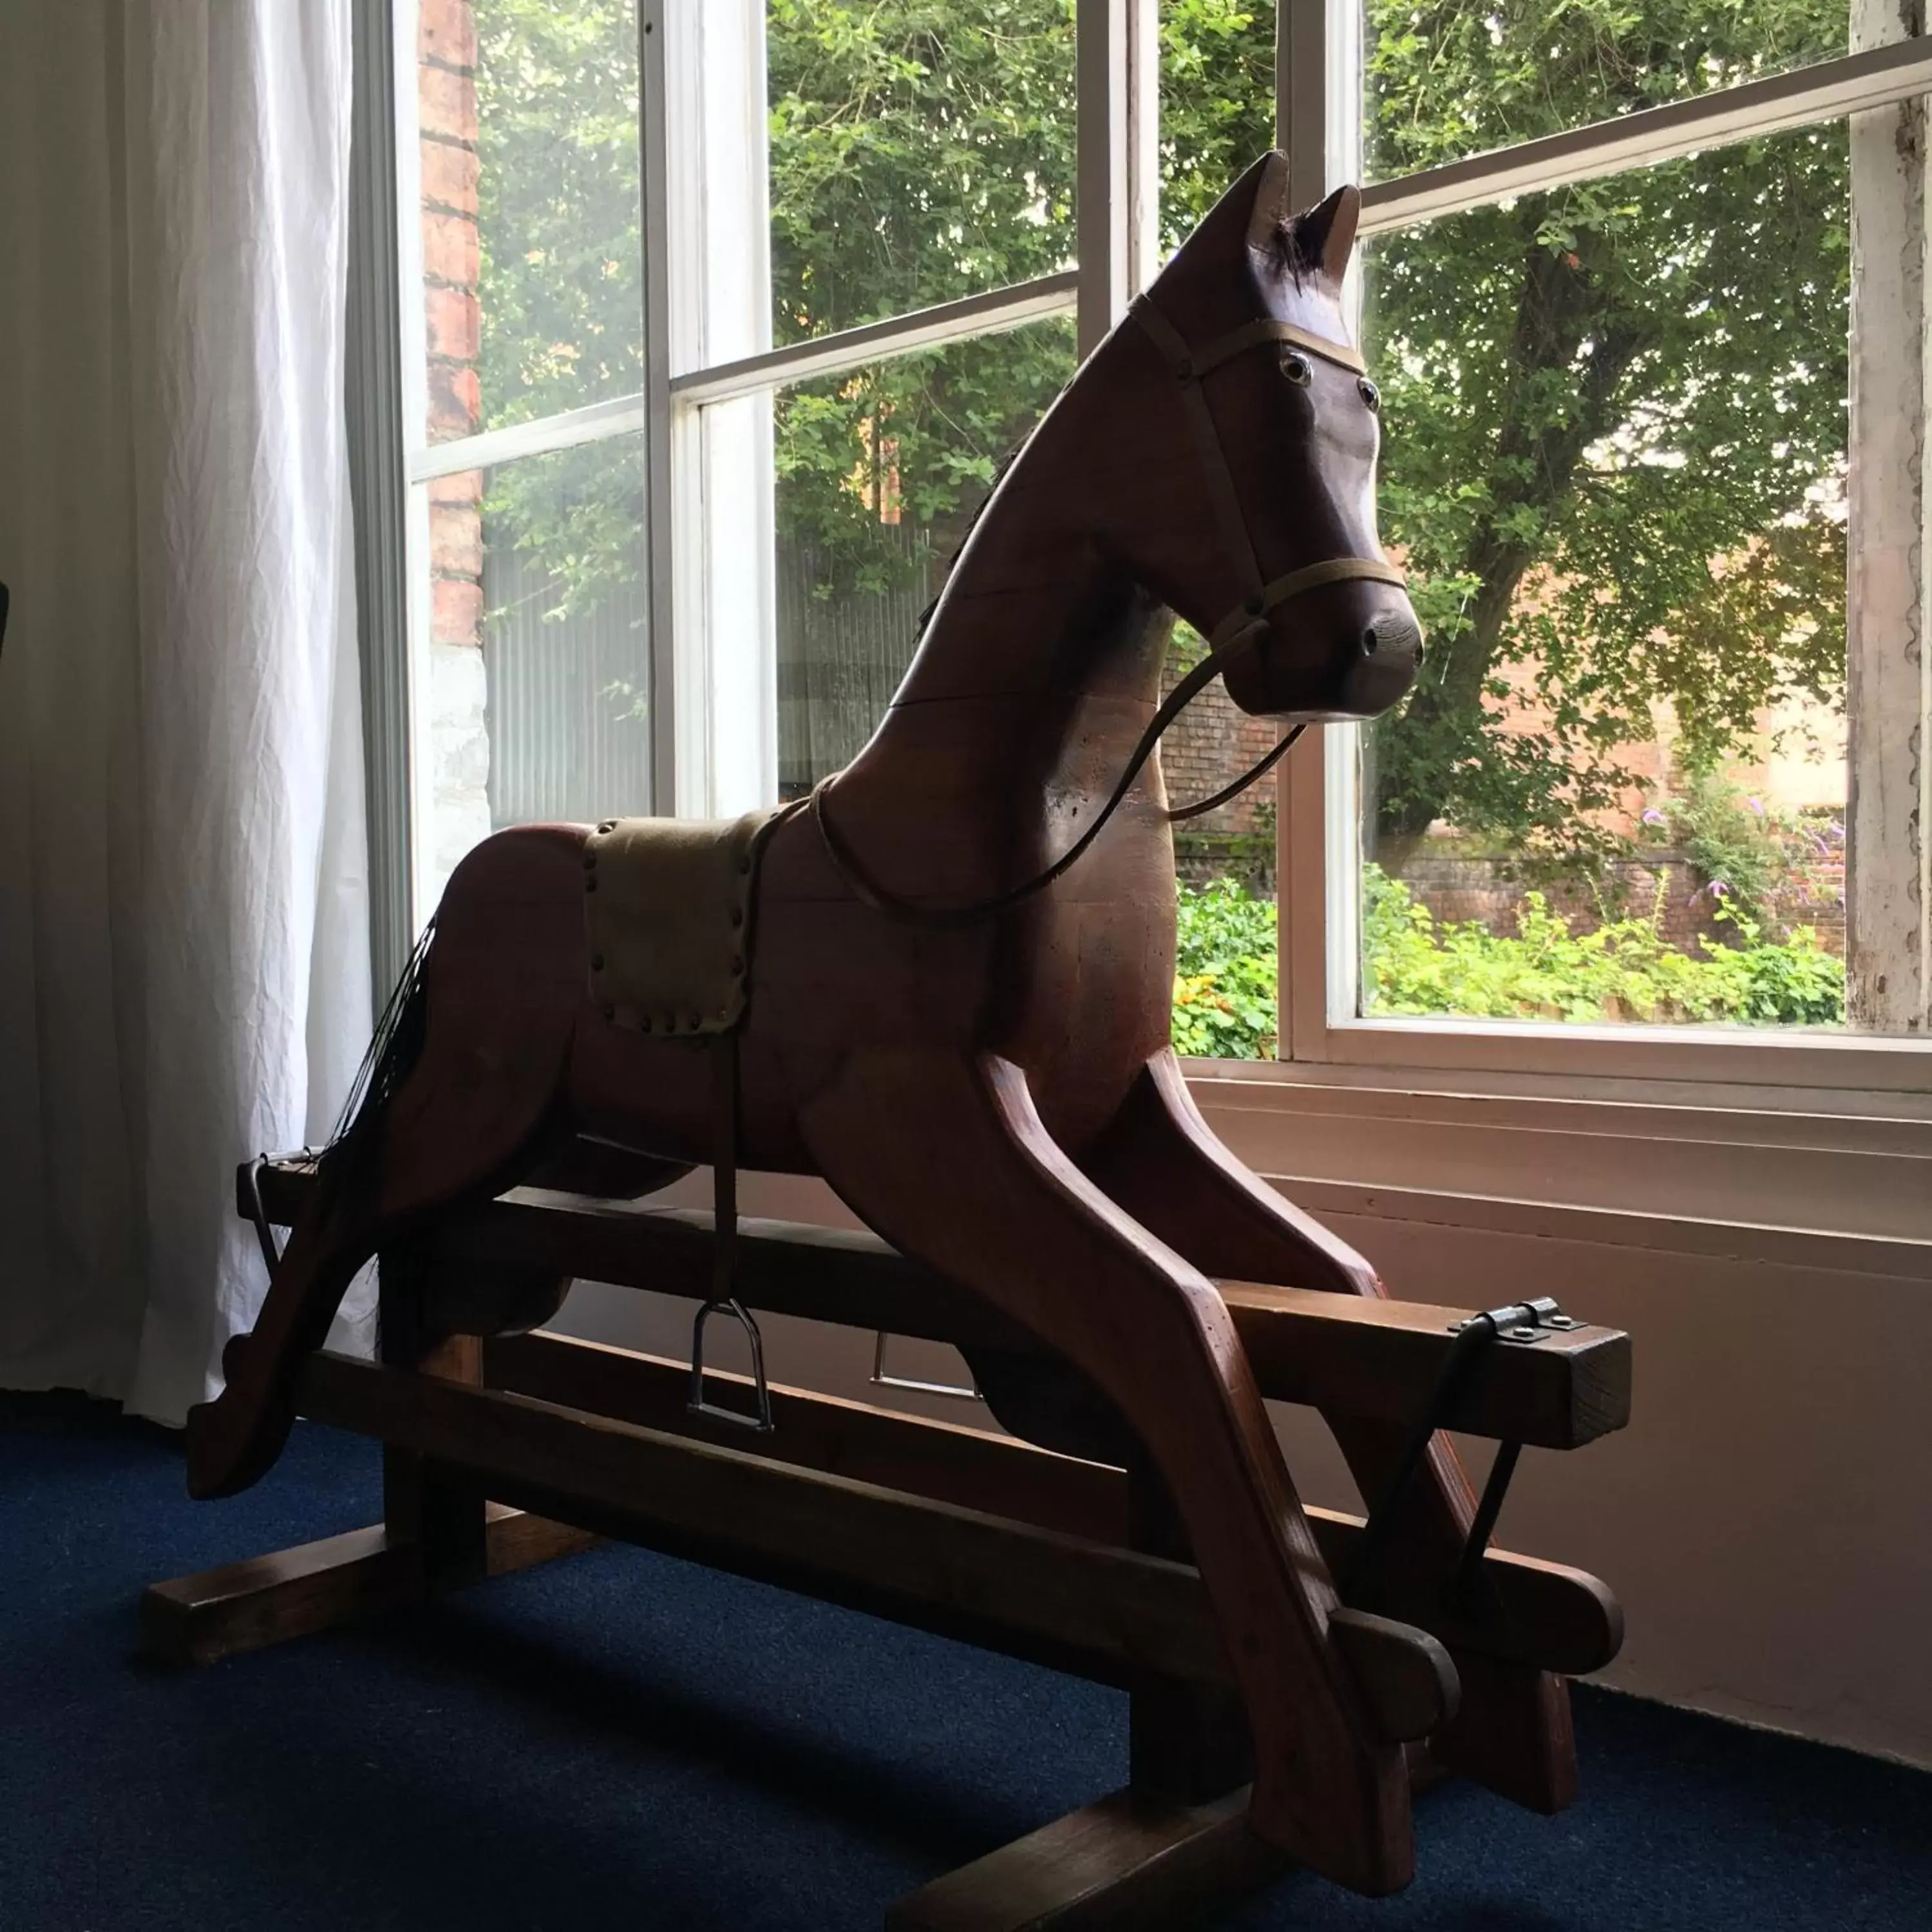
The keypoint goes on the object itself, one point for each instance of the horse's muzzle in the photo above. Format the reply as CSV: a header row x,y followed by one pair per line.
x,y
1388,656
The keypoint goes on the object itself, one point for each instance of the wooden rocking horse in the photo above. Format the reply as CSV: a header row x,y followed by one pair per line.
x,y
943,985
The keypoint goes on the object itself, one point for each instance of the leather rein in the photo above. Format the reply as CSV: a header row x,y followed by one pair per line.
x,y
1237,631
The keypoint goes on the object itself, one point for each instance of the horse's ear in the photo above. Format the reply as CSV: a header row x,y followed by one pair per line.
x,y
1255,220
1325,236
1252,212
1270,211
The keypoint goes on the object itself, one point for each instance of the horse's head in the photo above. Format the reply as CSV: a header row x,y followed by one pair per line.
x,y
1264,538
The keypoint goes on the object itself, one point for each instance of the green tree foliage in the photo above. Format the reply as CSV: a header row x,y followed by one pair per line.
x,y
1614,412
922,150
561,271
561,278
919,150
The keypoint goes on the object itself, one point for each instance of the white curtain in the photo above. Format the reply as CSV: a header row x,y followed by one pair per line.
x,y
184,976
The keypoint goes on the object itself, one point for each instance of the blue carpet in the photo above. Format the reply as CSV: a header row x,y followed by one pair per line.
x,y
624,1740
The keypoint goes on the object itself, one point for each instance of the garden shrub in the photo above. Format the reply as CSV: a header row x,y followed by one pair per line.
x,y
1413,964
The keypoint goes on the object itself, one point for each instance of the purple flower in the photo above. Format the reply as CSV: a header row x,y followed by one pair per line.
x,y
1653,816
1719,889
1755,806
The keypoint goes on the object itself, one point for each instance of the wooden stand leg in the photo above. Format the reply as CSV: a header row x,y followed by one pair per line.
x,y
269,1600
425,1506
438,1533
1513,1732
1125,1862
949,1158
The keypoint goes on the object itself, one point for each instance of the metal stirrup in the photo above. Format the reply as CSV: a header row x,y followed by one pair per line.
x,y
695,1402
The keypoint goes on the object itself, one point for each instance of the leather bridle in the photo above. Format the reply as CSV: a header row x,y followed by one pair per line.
x,y
1190,366
1237,631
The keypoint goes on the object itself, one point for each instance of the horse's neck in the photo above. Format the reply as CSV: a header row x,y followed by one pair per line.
x,y
1038,621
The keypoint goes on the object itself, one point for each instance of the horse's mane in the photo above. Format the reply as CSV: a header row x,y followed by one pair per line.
x,y
953,555
1289,247
999,469
1287,242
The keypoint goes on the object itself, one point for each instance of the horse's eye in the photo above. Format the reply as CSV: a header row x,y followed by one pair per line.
x,y
1371,394
1297,368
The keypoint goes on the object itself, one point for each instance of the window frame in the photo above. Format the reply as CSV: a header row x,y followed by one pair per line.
x,y
1319,95
1318,67
1116,89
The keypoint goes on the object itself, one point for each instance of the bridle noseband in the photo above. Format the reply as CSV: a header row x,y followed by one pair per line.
x,y
1235,632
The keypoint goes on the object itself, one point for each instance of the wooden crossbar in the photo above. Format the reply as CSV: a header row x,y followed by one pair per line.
x,y
269,1600
1545,1614
1348,1355
1099,1611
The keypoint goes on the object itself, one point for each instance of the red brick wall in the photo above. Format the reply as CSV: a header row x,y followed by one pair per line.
x,y
1213,741
452,315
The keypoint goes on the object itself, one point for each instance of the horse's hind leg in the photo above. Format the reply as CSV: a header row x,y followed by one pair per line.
x,y
1162,1162
469,1117
947,1157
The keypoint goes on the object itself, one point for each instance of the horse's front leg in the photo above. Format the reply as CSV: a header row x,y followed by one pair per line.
x,y
1163,1163
946,1155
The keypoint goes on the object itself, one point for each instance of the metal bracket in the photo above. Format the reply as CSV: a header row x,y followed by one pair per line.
x,y
1523,1321
1519,1322
959,1391
695,1403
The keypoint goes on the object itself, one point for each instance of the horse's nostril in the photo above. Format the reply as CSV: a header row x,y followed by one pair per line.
x,y
1392,633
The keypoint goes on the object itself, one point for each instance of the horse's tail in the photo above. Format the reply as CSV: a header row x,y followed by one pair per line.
x,y
395,1048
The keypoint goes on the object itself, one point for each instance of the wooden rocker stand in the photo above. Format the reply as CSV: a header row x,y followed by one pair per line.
x,y
943,984
509,1451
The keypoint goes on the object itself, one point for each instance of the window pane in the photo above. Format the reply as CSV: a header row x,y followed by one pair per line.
x,y
1216,117
879,471
1614,464
1463,77
528,168
1217,103
920,150
532,682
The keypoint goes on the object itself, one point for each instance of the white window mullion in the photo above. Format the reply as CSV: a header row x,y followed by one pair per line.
x,y
1888,876
1315,921
720,608
654,142
870,343
1117,87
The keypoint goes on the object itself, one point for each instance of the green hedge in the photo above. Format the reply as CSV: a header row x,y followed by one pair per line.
x,y
1412,963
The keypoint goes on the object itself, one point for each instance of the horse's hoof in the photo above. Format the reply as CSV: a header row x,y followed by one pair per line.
x,y
225,1455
